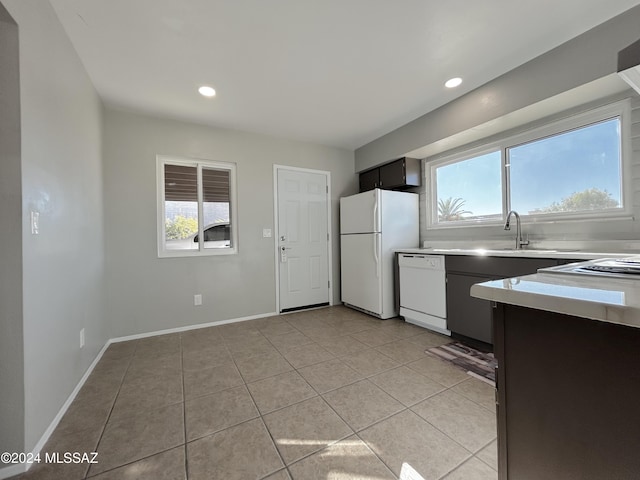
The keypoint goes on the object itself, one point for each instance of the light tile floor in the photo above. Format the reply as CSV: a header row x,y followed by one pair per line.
x,y
323,394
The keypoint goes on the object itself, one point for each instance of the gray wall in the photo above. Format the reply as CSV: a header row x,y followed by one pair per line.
x,y
588,232
11,351
63,266
147,293
588,57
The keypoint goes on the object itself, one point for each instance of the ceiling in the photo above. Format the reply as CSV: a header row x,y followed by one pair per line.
x,y
335,72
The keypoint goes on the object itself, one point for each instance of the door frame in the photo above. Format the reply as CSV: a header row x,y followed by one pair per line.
x,y
276,236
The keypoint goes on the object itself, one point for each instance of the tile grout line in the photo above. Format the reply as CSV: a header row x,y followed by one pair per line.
x,y
184,411
376,455
482,448
317,393
405,408
255,405
104,427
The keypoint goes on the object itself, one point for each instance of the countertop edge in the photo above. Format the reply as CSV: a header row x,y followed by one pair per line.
x,y
557,254
627,315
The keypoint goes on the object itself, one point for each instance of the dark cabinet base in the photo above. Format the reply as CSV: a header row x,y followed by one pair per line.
x,y
472,342
568,397
471,316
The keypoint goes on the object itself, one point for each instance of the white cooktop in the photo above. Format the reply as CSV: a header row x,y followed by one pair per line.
x,y
627,267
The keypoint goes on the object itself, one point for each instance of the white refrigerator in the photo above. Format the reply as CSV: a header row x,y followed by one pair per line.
x,y
373,225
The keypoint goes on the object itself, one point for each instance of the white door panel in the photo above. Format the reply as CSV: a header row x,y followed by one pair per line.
x,y
303,243
360,213
361,271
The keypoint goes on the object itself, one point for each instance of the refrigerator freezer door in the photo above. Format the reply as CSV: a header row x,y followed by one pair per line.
x,y
399,213
360,213
361,271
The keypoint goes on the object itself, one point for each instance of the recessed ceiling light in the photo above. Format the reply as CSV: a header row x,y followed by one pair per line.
x,y
453,82
207,91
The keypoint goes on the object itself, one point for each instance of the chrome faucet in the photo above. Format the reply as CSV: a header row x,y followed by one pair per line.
x,y
519,242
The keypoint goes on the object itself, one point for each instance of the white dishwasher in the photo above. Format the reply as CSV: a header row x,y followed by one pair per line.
x,y
423,291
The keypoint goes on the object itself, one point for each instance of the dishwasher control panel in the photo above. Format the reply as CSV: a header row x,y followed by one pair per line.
x,y
431,262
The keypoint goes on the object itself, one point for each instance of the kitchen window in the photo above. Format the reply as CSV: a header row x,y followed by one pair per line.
x,y
571,169
470,189
196,207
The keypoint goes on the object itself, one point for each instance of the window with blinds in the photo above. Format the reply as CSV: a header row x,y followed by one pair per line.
x,y
196,207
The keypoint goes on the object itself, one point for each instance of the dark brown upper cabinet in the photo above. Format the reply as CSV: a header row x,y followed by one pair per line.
x,y
397,175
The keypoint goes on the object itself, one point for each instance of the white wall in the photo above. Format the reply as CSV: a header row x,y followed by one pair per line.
x,y
147,293
63,266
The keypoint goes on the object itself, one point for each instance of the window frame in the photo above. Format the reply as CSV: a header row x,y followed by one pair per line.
x,y
199,164
620,109
432,213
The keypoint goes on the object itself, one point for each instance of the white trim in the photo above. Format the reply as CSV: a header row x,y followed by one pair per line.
x,y
16,469
191,327
327,174
330,240
276,234
198,163
621,109
19,468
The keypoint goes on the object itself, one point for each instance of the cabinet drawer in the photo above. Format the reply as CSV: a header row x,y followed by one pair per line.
x,y
492,267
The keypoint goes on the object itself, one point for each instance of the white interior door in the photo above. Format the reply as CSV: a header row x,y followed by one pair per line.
x,y
303,240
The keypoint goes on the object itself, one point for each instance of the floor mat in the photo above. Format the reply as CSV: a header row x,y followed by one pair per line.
x,y
476,363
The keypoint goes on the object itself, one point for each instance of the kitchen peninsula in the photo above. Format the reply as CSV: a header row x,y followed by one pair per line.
x,y
568,379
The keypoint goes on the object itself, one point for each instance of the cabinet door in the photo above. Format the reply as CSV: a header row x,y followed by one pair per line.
x,y
568,390
496,267
392,174
369,180
467,315
404,172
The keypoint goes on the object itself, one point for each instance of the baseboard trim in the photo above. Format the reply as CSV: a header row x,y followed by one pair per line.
x,y
23,467
190,327
17,469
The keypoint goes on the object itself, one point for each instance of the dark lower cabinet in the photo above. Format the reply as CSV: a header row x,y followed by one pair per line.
x,y
568,392
469,317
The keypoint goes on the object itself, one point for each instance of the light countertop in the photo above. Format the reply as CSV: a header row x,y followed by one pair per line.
x,y
509,252
606,299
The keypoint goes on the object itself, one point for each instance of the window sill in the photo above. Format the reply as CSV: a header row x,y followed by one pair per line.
x,y
188,254
622,216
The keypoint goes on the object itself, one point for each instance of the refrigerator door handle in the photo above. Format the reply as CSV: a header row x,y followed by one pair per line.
x,y
375,211
375,254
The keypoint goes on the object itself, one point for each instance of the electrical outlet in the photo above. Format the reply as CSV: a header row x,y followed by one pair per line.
x,y
197,299
82,338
